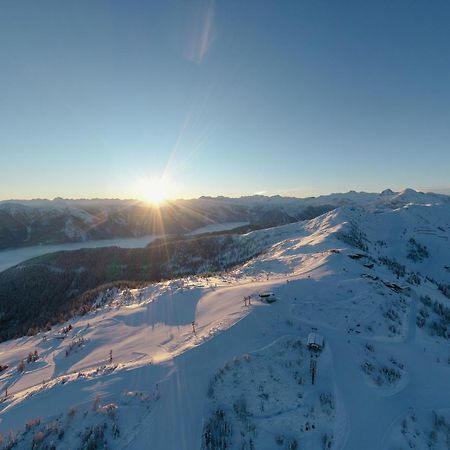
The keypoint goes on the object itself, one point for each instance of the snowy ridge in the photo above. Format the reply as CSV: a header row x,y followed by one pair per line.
x,y
31,222
195,365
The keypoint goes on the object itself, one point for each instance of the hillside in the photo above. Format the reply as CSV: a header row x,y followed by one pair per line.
x,y
39,222
55,287
33,222
373,279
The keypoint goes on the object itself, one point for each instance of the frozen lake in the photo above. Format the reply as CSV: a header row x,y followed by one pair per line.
x,y
9,258
214,227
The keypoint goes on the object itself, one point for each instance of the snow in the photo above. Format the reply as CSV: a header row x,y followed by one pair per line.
x,y
187,353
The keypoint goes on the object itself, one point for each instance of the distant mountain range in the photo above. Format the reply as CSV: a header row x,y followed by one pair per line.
x,y
33,222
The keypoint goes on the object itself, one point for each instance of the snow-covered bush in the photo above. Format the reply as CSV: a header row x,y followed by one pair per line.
x,y
354,237
32,356
32,423
93,438
394,266
217,432
445,289
381,372
387,375
21,366
240,408
327,402
416,252
421,318
75,345
424,430
327,441
436,315
38,439
414,278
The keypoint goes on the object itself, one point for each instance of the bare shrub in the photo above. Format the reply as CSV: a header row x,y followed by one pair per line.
x,y
21,366
32,423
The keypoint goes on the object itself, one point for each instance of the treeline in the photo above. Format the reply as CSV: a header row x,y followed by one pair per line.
x,y
24,225
52,288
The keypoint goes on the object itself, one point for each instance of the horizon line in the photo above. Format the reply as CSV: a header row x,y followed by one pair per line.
x,y
439,191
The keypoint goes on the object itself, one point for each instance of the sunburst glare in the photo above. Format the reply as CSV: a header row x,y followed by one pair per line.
x,y
155,191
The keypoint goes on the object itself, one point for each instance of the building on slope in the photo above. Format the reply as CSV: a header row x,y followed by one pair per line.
x,y
267,297
315,342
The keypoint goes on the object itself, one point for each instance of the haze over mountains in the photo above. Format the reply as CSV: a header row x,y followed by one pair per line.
x,y
31,222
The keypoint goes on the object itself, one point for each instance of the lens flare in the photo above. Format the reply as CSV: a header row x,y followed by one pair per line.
x,y
155,192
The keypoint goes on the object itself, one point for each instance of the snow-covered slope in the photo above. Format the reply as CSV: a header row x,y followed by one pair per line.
x,y
31,222
192,364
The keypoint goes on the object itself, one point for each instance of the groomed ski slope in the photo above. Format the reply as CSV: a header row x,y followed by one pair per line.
x,y
157,356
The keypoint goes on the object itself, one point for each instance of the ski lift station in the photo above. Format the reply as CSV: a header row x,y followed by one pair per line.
x,y
315,342
267,297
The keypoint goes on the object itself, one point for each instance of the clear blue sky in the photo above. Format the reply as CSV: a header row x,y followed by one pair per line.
x,y
225,97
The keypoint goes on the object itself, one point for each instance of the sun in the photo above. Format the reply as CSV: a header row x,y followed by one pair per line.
x,y
155,192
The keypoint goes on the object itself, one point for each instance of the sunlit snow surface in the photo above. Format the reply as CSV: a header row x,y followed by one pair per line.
x,y
378,379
